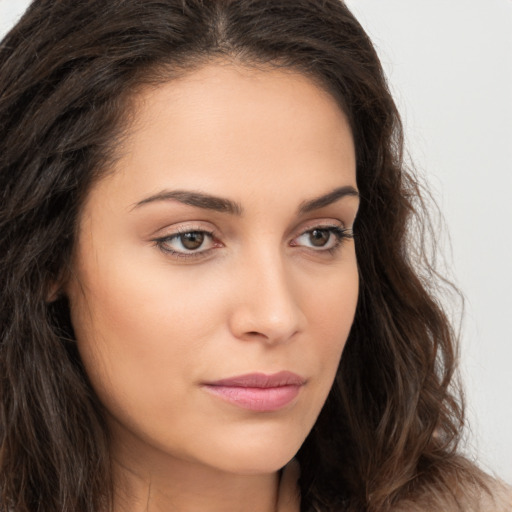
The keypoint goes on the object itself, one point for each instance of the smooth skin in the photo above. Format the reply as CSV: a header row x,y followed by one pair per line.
x,y
170,289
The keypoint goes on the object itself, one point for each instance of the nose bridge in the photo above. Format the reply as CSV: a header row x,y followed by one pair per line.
x,y
267,303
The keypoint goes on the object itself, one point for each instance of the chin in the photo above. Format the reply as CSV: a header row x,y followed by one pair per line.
x,y
258,464
257,453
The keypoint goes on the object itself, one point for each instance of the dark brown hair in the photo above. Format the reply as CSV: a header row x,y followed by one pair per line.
x,y
390,427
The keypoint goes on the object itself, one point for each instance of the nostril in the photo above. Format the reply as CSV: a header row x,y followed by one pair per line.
x,y
256,334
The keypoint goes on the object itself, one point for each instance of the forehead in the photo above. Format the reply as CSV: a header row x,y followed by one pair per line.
x,y
224,125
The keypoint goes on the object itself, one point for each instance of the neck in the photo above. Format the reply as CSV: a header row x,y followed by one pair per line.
x,y
188,487
150,480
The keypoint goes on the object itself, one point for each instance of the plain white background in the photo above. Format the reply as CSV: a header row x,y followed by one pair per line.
x,y
449,64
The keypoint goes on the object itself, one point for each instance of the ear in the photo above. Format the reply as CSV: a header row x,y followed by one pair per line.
x,y
54,292
56,287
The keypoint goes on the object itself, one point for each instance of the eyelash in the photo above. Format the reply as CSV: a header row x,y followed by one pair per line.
x,y
341,234
162,241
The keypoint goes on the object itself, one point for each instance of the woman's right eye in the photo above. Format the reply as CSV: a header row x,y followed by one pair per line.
x,y
186,243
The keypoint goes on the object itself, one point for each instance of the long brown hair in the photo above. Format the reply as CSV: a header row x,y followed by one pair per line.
x,y
391,424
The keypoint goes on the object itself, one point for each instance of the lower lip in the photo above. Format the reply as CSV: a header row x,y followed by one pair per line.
x,y
256,399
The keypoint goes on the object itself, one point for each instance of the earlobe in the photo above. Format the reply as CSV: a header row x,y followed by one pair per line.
x,y
56,288
55,292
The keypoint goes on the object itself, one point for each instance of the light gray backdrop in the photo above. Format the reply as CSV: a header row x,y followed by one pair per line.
x,y
449,64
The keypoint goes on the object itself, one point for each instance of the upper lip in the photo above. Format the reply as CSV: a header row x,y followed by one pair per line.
x,y
261,380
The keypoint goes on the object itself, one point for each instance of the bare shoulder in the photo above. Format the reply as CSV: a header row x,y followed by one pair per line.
x,y
497,497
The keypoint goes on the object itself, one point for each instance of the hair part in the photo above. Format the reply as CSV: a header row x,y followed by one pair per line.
x,y
68,71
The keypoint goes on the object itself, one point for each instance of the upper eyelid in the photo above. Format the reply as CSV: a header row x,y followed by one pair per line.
x,y
183,227
319,223
167,233
199,225
177,234
323,224
302,232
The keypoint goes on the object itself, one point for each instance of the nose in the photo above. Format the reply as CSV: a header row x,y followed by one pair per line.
x,y
266,302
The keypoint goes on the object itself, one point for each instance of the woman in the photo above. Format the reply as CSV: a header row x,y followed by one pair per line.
x,y
207,273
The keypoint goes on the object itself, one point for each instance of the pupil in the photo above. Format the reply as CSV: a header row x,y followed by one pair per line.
x,y
319,237
192,240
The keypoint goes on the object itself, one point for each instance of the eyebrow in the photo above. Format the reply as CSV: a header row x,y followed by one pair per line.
x,y
223,205
197,199
327,199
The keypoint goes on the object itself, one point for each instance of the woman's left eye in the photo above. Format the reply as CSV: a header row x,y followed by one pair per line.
x,y
322,238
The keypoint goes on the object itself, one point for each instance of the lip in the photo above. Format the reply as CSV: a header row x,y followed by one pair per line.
x,y
258,391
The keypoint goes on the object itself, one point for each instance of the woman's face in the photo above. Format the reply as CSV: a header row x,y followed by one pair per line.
x,y
216,256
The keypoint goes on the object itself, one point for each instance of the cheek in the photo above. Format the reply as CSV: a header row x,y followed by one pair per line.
x,y
138,331
144,345
329,300
331,307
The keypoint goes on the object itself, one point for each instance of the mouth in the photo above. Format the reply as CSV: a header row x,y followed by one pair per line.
x,y
258,391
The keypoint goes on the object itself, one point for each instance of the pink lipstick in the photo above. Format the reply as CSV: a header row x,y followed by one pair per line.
x,y
258,391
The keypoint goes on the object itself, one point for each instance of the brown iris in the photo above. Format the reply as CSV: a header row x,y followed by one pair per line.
x,y
192,240
319,237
